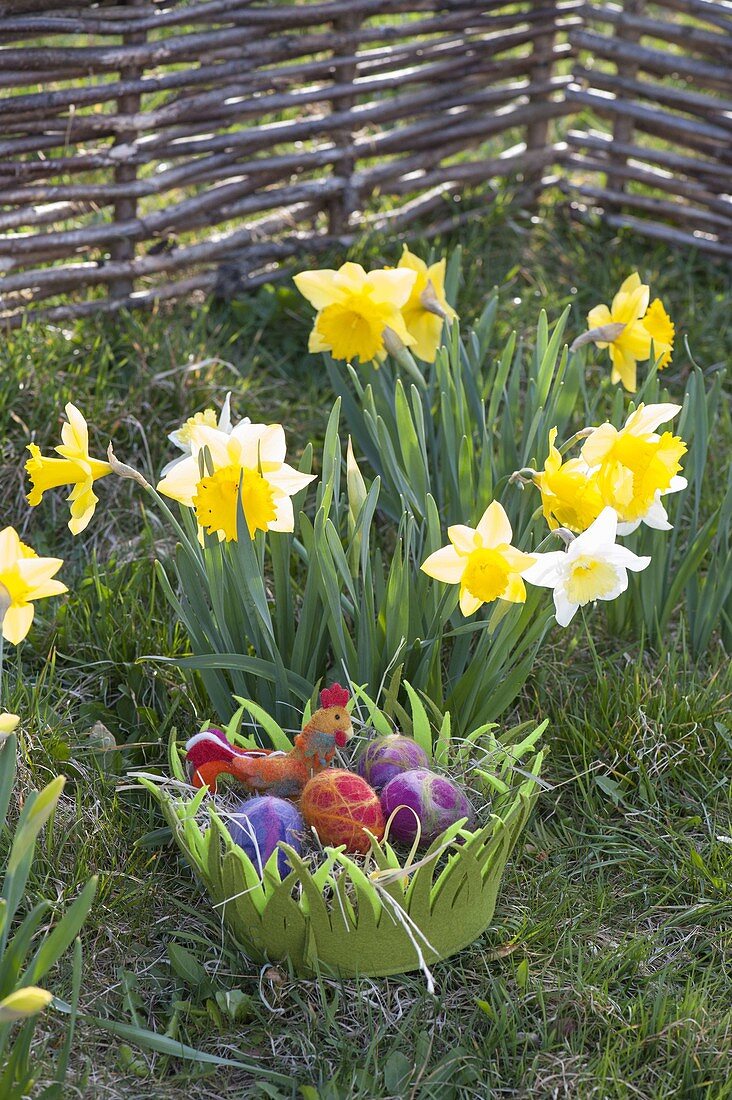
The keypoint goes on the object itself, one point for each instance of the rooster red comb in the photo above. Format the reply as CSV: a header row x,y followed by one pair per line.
x,y
334,696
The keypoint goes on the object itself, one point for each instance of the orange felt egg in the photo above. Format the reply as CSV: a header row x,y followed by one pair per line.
x,y
341,806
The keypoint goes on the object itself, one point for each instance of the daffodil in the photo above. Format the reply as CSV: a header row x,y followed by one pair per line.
x,y
181,437
570,495
75,467
427,308
24,577
248,462
482,561
660,328
593,568
637,467
355,308
632,343
22,1003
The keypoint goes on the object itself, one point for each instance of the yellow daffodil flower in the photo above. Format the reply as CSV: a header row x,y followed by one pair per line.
x,y
24,577
75,467
637,466
250,461
354,309
660,328
482,561
427,307
592,568
22,1003
632,344
570,495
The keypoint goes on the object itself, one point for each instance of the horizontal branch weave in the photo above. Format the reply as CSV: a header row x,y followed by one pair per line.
x,y
149,148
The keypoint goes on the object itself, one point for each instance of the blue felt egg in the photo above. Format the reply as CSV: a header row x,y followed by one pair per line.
x,y
259,824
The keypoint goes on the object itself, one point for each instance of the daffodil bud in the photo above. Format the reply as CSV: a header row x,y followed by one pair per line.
x,y
355,485
357,492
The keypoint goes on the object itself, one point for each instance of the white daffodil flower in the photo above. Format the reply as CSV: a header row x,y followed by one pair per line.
x,y
182,437
593,568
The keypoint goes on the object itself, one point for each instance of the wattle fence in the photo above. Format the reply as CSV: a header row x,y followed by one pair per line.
x,y
151,149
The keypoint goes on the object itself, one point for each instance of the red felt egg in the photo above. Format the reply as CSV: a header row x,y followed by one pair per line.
x,y
341,806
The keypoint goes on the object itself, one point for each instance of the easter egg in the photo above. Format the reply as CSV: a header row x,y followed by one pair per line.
x,y
433,800
341,806
259,824
385,757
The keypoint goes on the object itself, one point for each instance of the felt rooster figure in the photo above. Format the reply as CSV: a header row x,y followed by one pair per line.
x,y
266,771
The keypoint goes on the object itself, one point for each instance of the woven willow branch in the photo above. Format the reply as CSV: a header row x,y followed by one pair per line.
x,y
153,147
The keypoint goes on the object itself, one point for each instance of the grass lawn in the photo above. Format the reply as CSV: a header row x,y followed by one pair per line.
x,y
607,972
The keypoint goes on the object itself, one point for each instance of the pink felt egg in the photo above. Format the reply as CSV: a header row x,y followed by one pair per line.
x,y
434,801
385,757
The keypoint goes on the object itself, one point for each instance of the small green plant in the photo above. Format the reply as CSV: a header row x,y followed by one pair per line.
x,y
268,617
27,953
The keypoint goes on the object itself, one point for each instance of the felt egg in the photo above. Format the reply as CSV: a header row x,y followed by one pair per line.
x,y
259,824
434,800
385,757
340,806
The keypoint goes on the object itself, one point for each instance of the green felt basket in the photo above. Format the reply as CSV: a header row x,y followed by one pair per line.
x,y
368,917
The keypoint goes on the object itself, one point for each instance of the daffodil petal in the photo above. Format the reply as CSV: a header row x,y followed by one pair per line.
x,y
288,479
320,287
445,565
285,516
565,609
515,589
17,622
598,445
469,604
463,538
392,286
624,367
181,482
599,316
646,418
494,526
547,569
597,536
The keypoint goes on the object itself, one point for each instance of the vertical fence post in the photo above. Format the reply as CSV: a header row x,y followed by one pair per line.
x,y
623,126
125,207
345,203
541,68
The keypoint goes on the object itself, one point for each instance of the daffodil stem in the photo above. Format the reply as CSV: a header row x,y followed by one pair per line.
x,y
405,360
582,434
561,532
2,657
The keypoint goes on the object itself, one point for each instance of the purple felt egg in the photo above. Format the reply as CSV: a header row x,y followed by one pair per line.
x,y
434,800
259,824
385,757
